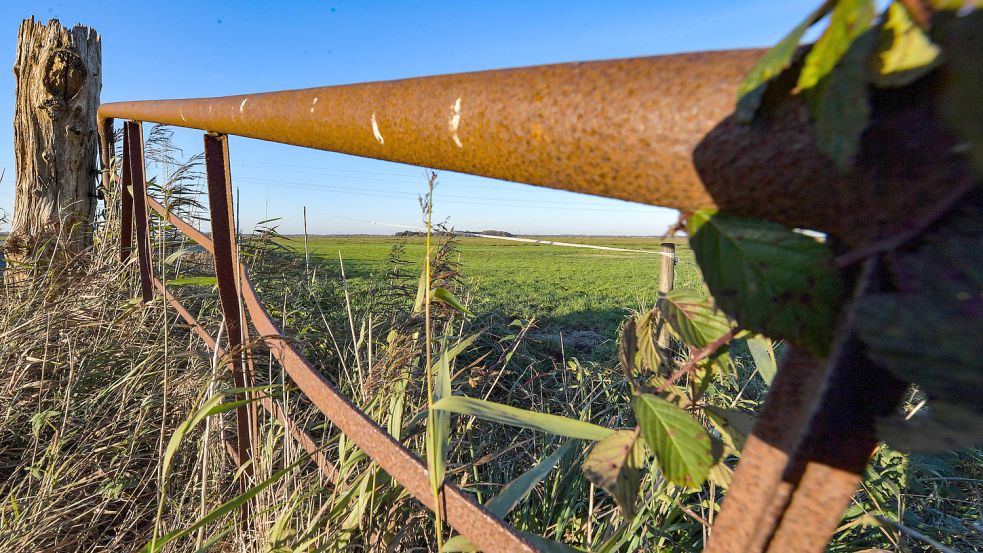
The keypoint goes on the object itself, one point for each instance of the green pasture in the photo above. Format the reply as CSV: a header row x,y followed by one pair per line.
x,y
566,288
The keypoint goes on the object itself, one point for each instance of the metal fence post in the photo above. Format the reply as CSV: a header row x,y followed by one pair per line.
x,y
134,143
227,274
125,202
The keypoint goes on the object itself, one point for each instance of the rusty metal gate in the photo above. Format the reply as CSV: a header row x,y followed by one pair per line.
x,y
654,130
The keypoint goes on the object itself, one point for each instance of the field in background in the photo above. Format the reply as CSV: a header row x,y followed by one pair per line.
x,y
567,289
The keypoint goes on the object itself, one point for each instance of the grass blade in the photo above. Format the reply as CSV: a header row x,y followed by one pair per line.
x,y
506,414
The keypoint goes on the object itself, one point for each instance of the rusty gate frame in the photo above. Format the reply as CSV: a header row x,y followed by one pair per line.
x,y
656,130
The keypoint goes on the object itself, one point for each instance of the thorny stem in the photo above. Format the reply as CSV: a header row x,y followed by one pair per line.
x,y
697,357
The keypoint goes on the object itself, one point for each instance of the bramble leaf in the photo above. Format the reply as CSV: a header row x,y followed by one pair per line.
x,y
647,353
721,475
693,318
734,426
849,20
763,352
904,52
770,279
843,109
614,465
962,90
780,57
928,332
681,445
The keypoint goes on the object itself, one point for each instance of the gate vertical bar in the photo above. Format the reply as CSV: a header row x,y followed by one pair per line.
x,y
107,150
226,272
125,202
134,141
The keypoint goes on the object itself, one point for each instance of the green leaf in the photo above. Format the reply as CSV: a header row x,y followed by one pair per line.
x,y
763,352
681,445
628,350
518,489
849,20
458,544
510,496
211,406
734,426
439,424
917,342
843,110
193,281
778,59
962,89
721,475
771,279
720,362
443,295
928,332
693,318
42,418
421,292
647,353
939,427
172,259
615,465
904,52
506,414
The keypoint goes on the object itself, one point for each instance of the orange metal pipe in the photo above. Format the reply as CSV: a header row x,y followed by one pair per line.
x,y
613,128
654,130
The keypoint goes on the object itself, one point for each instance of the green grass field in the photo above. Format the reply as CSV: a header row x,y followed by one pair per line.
x,y
566,288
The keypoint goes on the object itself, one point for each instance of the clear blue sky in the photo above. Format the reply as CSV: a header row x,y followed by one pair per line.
x,y
154,50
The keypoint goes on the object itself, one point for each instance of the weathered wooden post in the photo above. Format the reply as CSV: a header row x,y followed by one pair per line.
x,y
59,77
667,274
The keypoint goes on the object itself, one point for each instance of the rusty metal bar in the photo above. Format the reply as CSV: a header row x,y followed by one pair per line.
x,y
106,152
463,514
655,130
296,431
226,265
830,462
133,135
191,232
107,149
748,517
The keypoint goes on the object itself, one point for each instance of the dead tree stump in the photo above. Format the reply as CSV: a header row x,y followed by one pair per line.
x,y
59,77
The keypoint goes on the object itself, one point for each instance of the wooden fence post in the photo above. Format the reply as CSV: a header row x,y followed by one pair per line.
x,y
59,77
667,273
